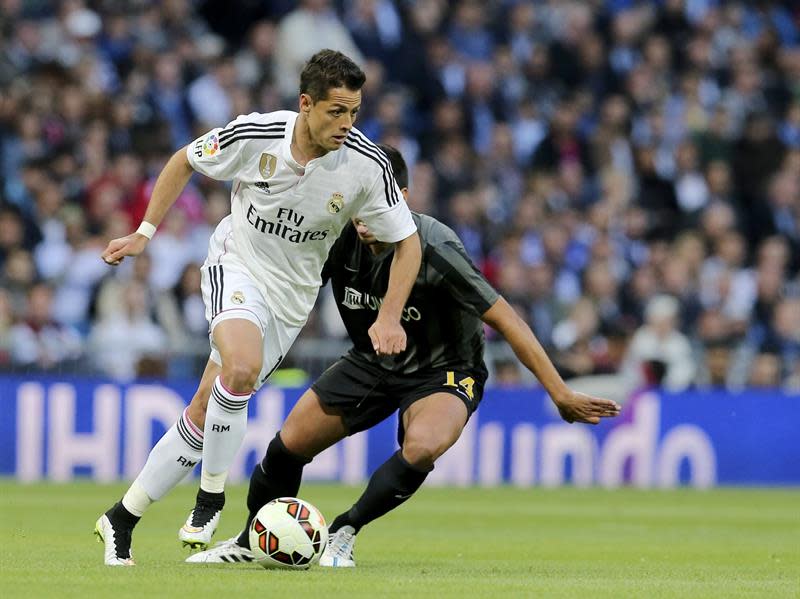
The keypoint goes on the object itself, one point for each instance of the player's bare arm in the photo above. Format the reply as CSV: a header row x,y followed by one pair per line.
x,y
170,183
573,406
387,334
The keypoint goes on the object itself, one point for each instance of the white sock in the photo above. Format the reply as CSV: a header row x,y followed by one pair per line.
x,y
226,424
136,499
169,462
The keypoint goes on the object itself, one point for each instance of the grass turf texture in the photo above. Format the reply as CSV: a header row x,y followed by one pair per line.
x,y
443,543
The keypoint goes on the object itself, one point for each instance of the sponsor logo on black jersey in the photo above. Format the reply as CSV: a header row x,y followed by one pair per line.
x,y
286,226
358,300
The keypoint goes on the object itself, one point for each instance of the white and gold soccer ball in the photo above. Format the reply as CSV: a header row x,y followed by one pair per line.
x,y
288,533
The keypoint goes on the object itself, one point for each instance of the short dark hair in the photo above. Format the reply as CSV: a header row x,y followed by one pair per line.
x,y
328,69
398,164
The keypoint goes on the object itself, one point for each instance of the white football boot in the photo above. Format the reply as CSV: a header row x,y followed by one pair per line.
x,y
339,550
117,543
224,552
199,527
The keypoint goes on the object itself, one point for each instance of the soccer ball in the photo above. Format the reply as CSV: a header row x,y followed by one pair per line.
x,y
288,533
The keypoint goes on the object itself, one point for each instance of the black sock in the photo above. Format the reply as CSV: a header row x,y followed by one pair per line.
x,y
120,517
278,475
216,500
389,486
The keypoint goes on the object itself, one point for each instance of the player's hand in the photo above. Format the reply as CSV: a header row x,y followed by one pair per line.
x,y
117,249
579,407
388,337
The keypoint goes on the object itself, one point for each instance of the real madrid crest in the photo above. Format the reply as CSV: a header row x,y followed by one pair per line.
x,y
267,164
237,297
336,203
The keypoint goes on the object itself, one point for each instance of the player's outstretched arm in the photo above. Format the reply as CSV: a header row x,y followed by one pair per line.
x,y
170,183
387,334
573,406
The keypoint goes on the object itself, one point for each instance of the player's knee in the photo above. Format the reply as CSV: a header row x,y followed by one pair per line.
x,y
420,453
240,376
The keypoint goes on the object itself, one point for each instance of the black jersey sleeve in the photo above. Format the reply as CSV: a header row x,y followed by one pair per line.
x,y
460,277
327,268
342,252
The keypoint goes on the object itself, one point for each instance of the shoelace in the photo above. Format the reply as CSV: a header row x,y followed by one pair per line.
x,y
341,544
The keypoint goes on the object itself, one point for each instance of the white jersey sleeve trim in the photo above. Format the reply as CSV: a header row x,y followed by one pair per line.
x,y
218,153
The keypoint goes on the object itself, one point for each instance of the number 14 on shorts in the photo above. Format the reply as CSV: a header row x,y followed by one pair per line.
x,y
464,385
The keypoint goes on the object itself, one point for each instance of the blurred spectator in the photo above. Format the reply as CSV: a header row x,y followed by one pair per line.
x,y
507,374
209,96
181,311
38,342
17,277
6,323
714,372
314,25
563,144
660,341
765,371
120,342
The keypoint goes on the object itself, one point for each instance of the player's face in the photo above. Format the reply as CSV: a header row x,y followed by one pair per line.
x,y
330,120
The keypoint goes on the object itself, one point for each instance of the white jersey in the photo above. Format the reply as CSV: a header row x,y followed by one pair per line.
x,y
285,217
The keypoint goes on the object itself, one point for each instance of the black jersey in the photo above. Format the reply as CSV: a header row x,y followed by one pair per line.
x,y
442,315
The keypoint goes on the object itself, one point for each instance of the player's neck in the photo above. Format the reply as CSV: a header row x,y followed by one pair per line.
x,y
303,148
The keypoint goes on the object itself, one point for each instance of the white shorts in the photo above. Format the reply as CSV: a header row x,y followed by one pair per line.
x,y
229,292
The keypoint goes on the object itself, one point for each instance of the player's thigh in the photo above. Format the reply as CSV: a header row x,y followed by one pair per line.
x,y
311,427
237,313
432,424
239,342
197,408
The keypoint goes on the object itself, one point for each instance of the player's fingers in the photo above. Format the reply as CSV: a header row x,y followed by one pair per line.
x,y
376,345
117,256
596,401
601,410
605,403
113,246
611,410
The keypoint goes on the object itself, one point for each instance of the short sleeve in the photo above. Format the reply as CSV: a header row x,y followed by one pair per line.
x,y
219,153
461,277
385,211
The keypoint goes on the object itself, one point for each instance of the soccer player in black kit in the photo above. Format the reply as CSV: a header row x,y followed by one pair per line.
x,y
436,383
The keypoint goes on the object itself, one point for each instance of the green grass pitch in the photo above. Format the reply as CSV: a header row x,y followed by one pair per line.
x,y
443,543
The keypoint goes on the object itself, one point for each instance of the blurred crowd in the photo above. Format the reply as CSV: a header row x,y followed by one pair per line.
x,y
626,173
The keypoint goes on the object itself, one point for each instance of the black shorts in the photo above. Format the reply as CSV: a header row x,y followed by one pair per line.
x,y
366,394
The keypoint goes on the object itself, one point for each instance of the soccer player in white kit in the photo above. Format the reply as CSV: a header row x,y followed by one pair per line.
x,y
298,179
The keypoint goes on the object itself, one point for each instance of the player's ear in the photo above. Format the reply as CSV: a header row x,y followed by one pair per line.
x,y
404,191
305,103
